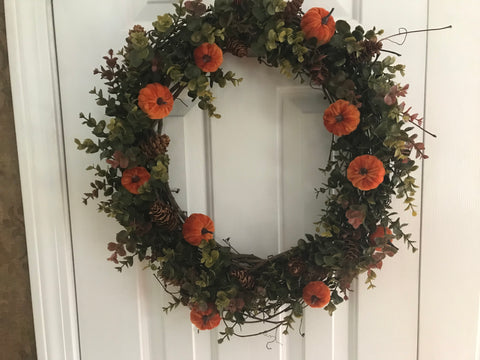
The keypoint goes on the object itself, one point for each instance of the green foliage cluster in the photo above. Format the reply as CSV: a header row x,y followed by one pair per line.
x,y
246,288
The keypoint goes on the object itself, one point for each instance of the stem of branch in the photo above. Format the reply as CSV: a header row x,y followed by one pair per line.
x,y
416,31
424,130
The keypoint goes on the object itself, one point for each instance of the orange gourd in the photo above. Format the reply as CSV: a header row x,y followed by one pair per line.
x,y
318,23
379,232
208,57
196,228
155,100
205,319
341,118
316,294
133,178
366,172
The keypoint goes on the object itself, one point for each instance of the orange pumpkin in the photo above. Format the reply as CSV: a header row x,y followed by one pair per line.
x,y
366,172
341,118
318,23
155,100
133,178
196,228
208,57
316,294
205,320
379,232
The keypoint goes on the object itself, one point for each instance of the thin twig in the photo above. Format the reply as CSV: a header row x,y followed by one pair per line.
x,y
328,95
406,32
259,333
227,241
331,149
391,52
178,91
428,132
165,288
274,340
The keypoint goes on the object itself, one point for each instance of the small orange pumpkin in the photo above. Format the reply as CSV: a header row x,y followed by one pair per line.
x,y
135,177
379,232
366,172
155,100
208,57
196,228
341,118
316,294
205,320
318,23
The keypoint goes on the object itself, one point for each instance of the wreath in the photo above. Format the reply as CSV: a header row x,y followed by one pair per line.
x,y
369,162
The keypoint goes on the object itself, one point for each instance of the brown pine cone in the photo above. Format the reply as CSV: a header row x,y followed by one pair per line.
x,y
236,47
292,9
245,279
296,266
316,273
155,145
164,216
352,250
370,49
352,244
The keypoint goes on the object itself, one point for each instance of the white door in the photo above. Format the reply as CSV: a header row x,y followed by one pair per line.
x,y
254,171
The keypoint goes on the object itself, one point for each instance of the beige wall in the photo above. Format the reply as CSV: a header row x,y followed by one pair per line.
x,y
17,340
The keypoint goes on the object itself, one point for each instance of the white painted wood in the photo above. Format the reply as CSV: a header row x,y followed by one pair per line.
x,y
250,176
119,314
42,168
450,286
389,312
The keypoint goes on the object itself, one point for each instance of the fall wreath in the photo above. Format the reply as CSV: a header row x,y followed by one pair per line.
x,y
369,163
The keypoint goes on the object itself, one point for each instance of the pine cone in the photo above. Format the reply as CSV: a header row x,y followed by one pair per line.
x,y
245,279
292,9
296,266
316,273
352,250
236,47
163,215
155,145
370,48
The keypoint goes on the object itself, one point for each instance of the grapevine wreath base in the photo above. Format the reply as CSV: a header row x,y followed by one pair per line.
x,y
369,162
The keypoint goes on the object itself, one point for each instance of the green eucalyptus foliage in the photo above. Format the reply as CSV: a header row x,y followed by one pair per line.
x,y
246,287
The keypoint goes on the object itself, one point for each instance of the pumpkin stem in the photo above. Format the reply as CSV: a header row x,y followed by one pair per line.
x,y
205,231
206,58
325,19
